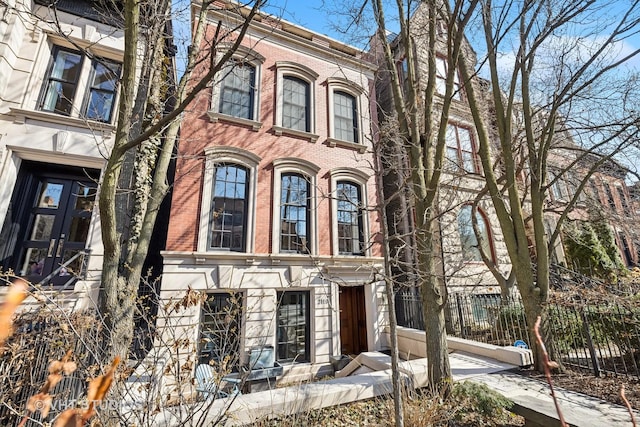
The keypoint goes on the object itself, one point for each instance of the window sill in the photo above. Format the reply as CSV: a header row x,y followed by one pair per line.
x,y
21,115
215,117
346,144
278,130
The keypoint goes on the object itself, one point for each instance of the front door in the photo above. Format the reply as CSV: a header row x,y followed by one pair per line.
x,y
353,320
52,206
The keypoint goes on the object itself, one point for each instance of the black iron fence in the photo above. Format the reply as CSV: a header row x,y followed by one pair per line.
x,y
598,335
24,367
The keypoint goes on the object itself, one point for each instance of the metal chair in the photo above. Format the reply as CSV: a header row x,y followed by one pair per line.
x,y
212,388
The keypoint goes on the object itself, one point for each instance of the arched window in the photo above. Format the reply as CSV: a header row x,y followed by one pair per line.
x,y
350,221
295,104
237,90
295,212
468,239
228,218
345,119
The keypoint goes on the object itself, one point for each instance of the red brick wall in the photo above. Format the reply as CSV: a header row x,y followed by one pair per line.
x,y
198,133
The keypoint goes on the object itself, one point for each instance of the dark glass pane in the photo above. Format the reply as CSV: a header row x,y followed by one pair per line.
x,y
237,91
42,227
85,197
220,327
293,327
33,261
79,229
229,204
294,214
349,218
345,117
295,104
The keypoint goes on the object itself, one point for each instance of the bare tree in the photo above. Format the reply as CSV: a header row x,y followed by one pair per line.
x,y
147,128
420,114
566,82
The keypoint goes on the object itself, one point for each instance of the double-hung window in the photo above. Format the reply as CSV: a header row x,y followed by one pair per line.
x,y
461,152
295,212
350,219
227,217
235,95
237,90
63,94
295,104
345,120
295,95
469,239
293,334
228,221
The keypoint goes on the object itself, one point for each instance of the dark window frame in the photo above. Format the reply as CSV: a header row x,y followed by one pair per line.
x,y
229,71
348,209
220,343
88,90
286,345
49,79
287,219
224,232
111,66
355,128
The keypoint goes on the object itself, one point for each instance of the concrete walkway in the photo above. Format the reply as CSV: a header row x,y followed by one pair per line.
x,y
533,400
370,377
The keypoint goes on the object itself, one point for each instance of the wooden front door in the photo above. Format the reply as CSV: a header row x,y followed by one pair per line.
x,y
353,320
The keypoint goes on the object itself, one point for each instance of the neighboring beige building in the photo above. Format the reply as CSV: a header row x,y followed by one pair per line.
x,y
57,109
463,268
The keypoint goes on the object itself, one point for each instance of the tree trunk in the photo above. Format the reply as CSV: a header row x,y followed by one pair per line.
x,y
433,304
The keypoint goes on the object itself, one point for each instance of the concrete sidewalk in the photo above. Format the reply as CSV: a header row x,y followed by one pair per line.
x,y
372,378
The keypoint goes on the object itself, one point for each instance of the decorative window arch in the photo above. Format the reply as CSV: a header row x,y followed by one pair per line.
x,y
236,95
468,240
227,220
295,100
350,231
345,114
294,227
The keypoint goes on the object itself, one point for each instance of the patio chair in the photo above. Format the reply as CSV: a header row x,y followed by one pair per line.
x,y
211,388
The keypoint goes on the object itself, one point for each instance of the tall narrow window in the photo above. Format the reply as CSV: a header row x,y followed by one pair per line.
x,y
293,326
623,198
237,91
229,208
62,81
468,239
295,214
346,117
460,149
609,195
441,79
295,104
102,91
220,325
350,227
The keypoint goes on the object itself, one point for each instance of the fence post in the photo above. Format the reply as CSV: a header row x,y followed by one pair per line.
x,y
592,350
460,316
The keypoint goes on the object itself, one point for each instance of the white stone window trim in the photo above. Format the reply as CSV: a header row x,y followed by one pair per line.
x,y
40,75
249,56
306,74
359,178
310,171
343,85
214,156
